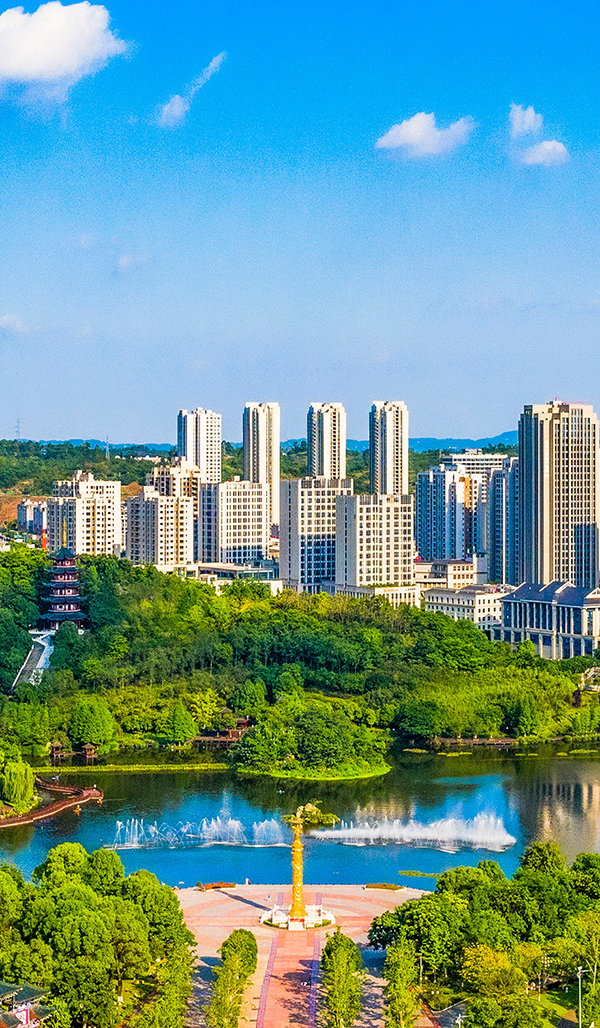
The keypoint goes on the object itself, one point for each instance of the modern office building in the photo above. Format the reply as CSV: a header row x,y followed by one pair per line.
x,y
160,529
262,449
84,514
481,604
374,547
388,447
199,441
503,522
307,535
560,619
326,437
235,522
559,502
451,514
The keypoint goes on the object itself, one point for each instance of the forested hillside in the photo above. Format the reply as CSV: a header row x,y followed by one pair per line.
x,y
166,658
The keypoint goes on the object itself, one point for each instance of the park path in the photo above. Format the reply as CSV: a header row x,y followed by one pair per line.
x,y
284,992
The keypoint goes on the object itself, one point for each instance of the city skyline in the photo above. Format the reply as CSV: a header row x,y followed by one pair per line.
x,y
339,201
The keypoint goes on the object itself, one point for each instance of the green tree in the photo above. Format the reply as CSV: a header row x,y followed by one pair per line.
x,y
238,954
17,784
91,722
180,726
492,972
105,872
483,1013
342,963
401,975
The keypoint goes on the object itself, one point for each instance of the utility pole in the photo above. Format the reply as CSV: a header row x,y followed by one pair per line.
x,y
580,972
107,450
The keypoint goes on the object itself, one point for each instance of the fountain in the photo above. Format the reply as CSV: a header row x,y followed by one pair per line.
x,y
216,831
484,831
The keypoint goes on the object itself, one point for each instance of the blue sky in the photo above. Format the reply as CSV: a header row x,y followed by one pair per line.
x,y
283,226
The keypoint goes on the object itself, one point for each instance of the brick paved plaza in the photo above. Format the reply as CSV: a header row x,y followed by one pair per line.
x,y
285,988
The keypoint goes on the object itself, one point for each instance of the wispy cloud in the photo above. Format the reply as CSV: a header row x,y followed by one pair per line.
x,y
419,136
524,120
173,112
11,324
547,153
48,51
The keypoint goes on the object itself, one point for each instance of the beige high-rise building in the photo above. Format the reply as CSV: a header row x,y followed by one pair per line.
x,y
326,437
262,449
199,441
559,500
374,547
307,536
235,522
85,514
160,529
388,447
181,478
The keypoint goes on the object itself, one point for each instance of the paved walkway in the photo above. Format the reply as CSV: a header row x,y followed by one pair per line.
x,y
285,989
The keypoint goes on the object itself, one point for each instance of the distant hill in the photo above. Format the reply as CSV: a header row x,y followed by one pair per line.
x,y
151,447
431,443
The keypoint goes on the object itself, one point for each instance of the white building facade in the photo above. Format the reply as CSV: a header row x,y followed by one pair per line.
x,y
85,514
374,548
388,447
560,619
451,513
160,529
480,604
199,441
326,438
235,522
262,449
307,536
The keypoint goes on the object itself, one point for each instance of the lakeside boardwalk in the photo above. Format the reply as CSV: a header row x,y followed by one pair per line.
x,y
285,989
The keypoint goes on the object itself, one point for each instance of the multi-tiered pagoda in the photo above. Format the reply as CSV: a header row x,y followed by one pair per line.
x,y
64,598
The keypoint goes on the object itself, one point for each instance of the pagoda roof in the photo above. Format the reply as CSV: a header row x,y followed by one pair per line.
x,y
7,990
65,615
8,1020
41,1012
64,554
29,994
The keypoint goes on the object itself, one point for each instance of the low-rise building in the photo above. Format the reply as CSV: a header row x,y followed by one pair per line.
x,y
481,604
451,573
560,619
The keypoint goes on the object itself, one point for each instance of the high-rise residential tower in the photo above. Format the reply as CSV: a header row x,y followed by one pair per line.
x,y
503,533
326,435
559,500
388,447
84,514
262,449
199,441
307,534
451,514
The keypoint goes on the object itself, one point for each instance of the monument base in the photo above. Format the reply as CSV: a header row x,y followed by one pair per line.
x,y
279,917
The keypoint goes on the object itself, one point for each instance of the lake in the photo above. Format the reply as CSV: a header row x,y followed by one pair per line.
x,y
429,813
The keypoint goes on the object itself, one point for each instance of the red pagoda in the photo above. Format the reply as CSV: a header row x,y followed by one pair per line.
x,y
64,599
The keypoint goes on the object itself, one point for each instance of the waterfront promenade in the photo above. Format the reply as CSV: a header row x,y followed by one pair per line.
x,y
285,989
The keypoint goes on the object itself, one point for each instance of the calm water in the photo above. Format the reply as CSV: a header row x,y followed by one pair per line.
x,y
428,814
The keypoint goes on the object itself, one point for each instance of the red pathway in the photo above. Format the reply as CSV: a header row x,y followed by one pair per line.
x,y
284,991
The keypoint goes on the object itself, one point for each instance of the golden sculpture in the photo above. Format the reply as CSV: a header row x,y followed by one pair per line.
x,y
306,817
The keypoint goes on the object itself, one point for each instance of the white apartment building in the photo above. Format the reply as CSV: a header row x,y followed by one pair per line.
x,y
199,441
160,529
326,437
374,547
262,449
559,494
451,513
388,447
181,478
481,604
235,522
475,462
32,516
560,619
307,536
85,515
503,532
450,574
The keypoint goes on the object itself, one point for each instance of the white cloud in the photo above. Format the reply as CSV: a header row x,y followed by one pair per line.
x,y
55,46
548,153
174,111
419,136
10,324
523,120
